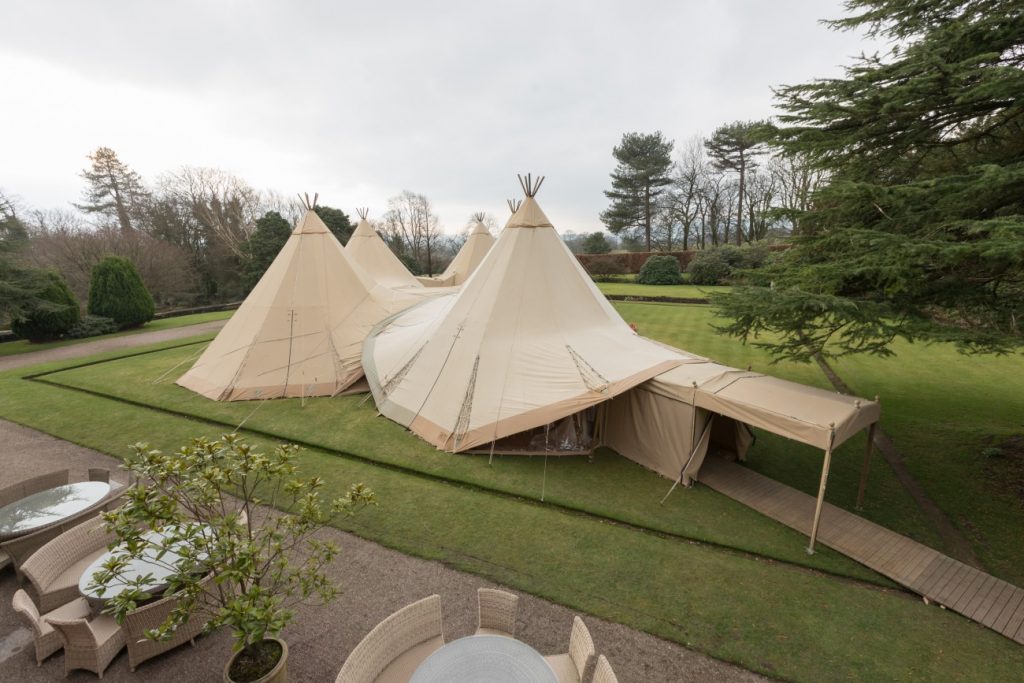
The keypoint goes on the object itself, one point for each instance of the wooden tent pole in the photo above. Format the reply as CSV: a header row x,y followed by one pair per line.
x,y
821,494
863,487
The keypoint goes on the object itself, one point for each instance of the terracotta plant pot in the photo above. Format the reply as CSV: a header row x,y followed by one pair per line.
x,y
279,674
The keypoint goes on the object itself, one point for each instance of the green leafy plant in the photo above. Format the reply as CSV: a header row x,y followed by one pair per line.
x,y
605,267
92,326
710,267
212,503
116,291
51,316
660,270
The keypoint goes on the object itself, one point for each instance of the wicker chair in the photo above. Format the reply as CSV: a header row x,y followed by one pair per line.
x,y
603,672
21,548
53,571
23,489
396,646
496,612
150,616
89,644
99,474
47,640
569,667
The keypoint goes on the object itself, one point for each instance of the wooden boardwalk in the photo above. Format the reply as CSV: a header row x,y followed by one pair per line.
x,y
976,595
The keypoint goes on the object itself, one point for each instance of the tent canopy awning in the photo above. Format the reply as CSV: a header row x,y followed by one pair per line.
x,y
810,415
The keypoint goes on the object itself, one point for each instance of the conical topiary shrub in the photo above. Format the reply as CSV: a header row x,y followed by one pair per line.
x,y
116,291
54,314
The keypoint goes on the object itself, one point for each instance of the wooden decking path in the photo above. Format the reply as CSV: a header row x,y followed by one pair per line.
x,y
976,595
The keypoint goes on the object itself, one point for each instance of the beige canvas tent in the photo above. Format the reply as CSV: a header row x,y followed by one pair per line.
x,y
529,340
370,252
300,331
477,244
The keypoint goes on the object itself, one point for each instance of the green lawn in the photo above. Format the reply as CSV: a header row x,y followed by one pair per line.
x,y
624,285
771,616
23,346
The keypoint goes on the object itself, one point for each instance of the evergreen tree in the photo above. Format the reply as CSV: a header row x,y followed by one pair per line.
x,y
117,292
735,147
20,286
55,314
639,178
270,235
919,233
596,243
337,221
114,190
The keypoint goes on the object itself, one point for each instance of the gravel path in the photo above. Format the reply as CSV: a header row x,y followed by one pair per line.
x,y
376,581
22,360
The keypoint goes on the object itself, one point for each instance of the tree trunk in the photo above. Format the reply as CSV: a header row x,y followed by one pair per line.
x,y
647,215
739,208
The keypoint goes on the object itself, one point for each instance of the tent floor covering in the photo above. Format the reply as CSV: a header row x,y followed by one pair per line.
x,y
952,584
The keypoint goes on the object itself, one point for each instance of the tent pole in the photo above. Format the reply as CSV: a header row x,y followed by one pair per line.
x,y
821,498
674,485
866,467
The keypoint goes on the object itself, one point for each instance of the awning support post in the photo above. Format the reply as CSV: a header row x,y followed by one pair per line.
x,y
821,495
865,468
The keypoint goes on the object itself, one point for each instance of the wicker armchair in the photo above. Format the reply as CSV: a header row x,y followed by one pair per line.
x,y
396,646
569,667
47,641
150,616
54,570
23,489
496,612
99,474
603,672
89,644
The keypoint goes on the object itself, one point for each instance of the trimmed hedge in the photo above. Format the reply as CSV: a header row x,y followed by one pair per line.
x,y
603,268
117,292
660,270
54,317
709,267
92,326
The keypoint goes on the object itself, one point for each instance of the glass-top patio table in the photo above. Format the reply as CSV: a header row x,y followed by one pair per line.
x,y
49,507
159,570
496,659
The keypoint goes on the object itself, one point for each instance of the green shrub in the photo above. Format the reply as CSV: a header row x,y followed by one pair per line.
x,y
596,243
606,267
92,326
52,315
116,291
660,270
710,267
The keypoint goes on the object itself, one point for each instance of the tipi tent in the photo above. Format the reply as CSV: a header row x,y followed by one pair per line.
x,y
529,342
300,331
366,249
477,244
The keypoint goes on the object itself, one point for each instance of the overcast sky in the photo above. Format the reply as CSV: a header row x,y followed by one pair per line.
x,y
358,101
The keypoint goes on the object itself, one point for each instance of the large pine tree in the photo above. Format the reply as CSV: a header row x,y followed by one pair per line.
x,y
920,232
639,178
113,190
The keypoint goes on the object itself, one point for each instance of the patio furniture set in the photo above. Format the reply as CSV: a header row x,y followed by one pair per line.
x,y
409,647
52,534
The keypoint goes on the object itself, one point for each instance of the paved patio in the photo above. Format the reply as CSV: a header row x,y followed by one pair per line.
x,y
376,582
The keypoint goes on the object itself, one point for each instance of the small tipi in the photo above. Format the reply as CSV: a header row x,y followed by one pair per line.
x,y
300,331
532,341
477,244
367,250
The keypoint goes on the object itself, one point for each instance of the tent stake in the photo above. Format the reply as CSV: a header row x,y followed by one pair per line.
x,y
865,467
821,498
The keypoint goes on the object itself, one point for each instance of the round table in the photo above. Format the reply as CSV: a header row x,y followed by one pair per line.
x,y
490,659
49,507
159,570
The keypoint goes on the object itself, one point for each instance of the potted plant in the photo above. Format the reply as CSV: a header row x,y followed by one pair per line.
x,y
223,509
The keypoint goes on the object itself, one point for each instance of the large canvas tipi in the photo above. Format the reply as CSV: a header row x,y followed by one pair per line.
x,y
531,341
477,244
367,250
300,331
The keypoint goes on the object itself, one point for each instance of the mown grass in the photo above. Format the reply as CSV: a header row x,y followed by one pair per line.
x,y
625,285
23,346
771,617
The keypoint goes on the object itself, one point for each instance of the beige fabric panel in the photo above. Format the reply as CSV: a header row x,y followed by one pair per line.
x,y
650,429
367,249
471,255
